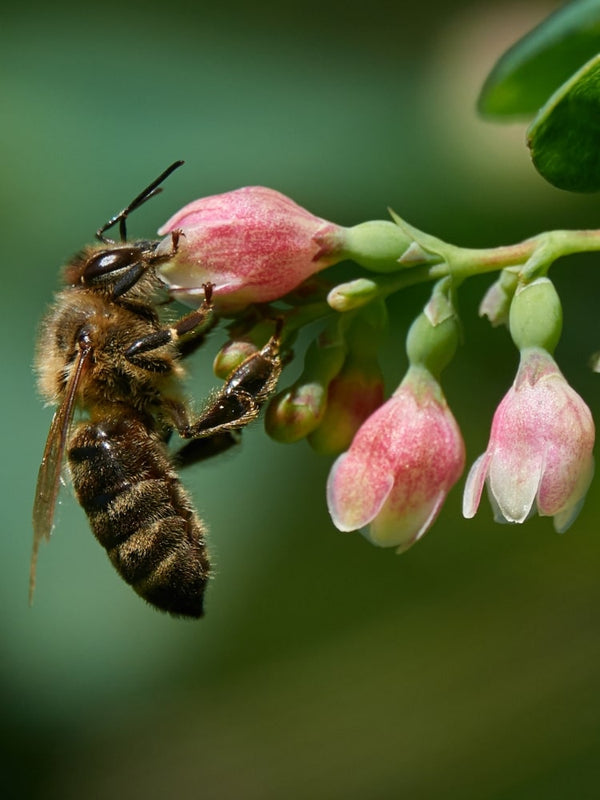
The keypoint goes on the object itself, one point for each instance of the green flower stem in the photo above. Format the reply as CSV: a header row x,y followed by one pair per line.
x,y
390,284
534,255
296,318
530,258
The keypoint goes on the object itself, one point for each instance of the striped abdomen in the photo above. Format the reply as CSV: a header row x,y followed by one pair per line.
x,y
140,513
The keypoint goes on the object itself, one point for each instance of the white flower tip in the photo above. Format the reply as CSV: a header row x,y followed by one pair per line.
x,y
564,519
342,526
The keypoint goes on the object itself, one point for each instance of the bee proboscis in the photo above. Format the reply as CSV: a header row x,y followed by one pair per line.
x,y
104,352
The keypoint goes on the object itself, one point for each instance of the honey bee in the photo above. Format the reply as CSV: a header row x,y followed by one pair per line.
x,y
103,352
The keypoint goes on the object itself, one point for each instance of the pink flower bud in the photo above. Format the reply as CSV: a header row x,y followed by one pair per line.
x,y
254,244
539,455
401,464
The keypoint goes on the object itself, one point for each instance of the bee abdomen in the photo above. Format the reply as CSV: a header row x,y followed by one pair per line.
x,y
140,513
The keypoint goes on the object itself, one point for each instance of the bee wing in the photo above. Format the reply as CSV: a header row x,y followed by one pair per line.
x,y
48,482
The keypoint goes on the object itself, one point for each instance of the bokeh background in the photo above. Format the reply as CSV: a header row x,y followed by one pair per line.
x,y
325,668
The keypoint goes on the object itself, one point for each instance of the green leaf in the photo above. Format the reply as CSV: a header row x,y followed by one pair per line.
x,y
564,138
535,66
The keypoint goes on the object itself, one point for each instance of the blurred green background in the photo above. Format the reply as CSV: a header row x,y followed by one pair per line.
x,y
325,668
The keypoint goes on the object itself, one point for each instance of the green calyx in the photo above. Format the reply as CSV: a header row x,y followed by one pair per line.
x,y
434,335
535,318
376,245
384,246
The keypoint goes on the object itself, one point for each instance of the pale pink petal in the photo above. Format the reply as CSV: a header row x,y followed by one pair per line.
x,y
564,518
474,485
356,493
569,464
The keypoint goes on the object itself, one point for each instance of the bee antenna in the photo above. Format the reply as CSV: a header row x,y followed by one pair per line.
x,y
150,191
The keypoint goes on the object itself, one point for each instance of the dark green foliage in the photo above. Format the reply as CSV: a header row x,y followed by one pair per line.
x,y
554,68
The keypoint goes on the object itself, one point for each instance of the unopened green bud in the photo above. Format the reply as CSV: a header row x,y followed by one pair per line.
x,y
352,295
231,355
295,412
248,335
536,316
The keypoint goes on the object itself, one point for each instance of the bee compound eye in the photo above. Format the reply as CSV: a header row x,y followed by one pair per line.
x,y
107,262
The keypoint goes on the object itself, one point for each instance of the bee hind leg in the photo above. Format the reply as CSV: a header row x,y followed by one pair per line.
x,y
202,449
240,399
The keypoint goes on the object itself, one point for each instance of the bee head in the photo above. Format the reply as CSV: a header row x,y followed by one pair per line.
x,y
115,268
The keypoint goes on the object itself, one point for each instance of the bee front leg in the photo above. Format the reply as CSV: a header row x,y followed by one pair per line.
x,y
189,330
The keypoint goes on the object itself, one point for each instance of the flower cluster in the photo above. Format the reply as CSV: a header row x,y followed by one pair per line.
x,y
397,459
